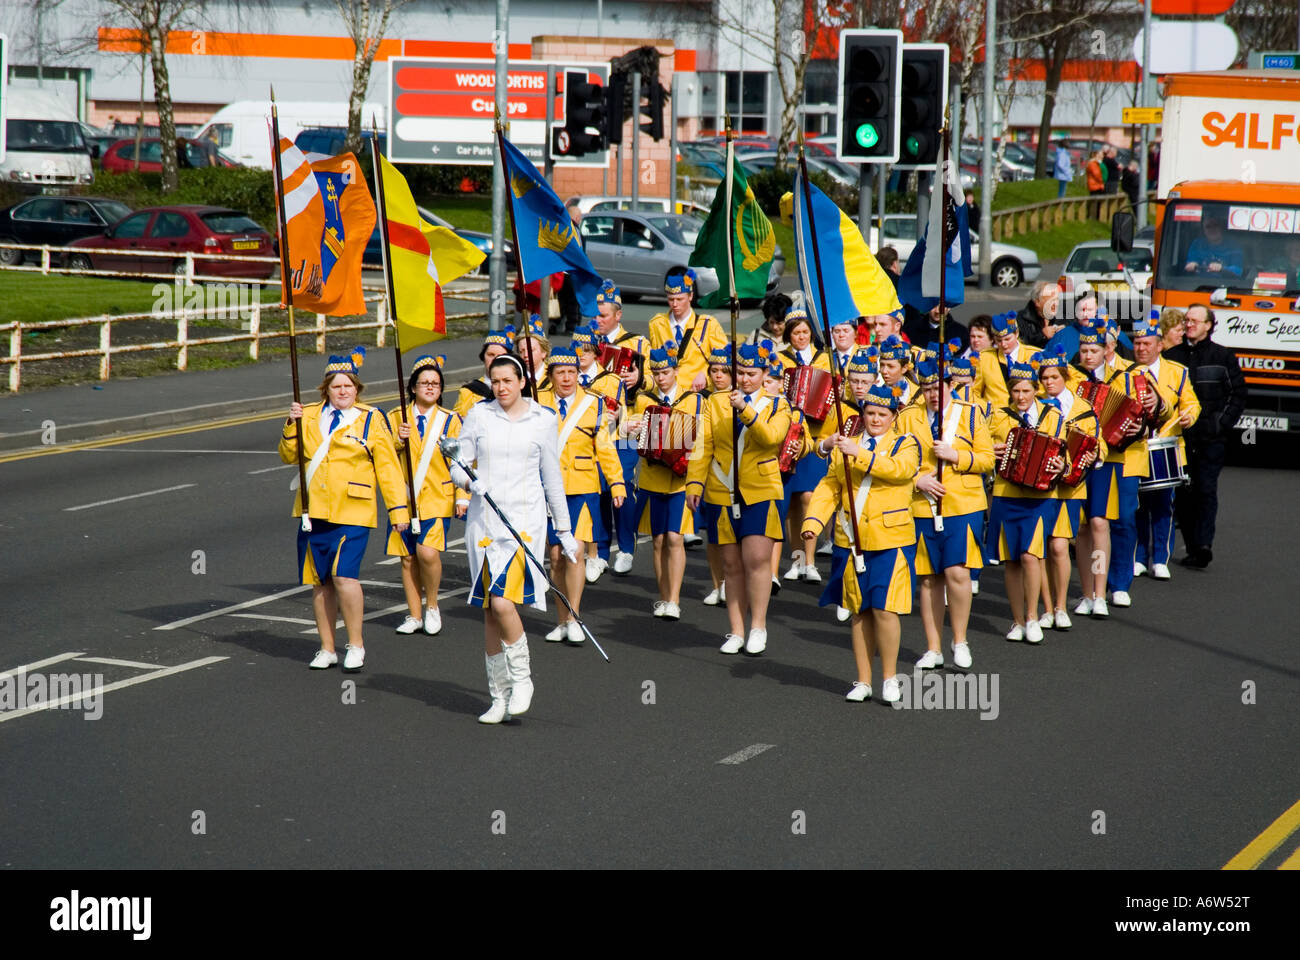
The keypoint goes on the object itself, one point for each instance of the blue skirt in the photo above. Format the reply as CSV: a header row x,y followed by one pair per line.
x,y
808,472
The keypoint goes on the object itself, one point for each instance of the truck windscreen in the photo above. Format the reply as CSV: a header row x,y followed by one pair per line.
x,y
1205,245
44,136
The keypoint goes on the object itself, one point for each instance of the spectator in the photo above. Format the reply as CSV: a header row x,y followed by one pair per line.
x,y
887,257
1039,313
1129,181
980,336
972,211
922,330
1084,311
1171,328
1212,253
1153,165
1110,161
1062,169
1221,389
775,306
1095,174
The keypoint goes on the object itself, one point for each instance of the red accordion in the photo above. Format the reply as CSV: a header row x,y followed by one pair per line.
x,y
1025,456
667,436
1116,411
810,390
618,359
1077,445
791,447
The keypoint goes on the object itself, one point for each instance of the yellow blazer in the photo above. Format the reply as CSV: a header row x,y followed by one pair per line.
x,y
1048,421
1079,416
964,479
589,450
1177,395
437,496
361,458
886,518
655,477
467,397
820,359
1134,457
607,385
706,335
990,383
761,436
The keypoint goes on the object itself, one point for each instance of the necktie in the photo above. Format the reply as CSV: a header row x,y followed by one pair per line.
x,y
678,328
871,443
748,398
584,380
564,407
934,424
665,401
334,422
1053,402
419,424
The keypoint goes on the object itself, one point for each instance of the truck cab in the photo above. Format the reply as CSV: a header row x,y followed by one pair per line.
x,y
44,148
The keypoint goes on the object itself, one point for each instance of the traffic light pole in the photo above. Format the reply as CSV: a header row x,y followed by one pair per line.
x,y
497,260
865,183
548,163
672,153
636,135
986,134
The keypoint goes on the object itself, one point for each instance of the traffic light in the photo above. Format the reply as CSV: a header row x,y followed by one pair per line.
x,y
584,117
869,74
923,99
653,109
615,108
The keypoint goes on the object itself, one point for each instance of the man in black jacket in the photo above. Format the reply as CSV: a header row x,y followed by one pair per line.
x,y
1221,388
1038,320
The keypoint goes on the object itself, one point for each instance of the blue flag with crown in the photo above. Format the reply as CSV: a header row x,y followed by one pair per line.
x,y
547,241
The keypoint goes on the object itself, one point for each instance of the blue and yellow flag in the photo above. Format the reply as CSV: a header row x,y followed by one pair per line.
x,y
547,239
854,281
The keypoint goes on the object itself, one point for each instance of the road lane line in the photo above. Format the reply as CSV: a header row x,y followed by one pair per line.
x,y
109,661
450,545
1259,849
81,697
28,667
395,608
133,496
177,624
749,753
267,616
283,466
1292,862
262,453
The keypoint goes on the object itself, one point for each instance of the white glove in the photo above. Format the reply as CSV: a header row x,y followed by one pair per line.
x,y
569,545
477,485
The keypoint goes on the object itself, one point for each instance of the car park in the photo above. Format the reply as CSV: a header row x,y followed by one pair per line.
x,y
55,221
643,205
1011,265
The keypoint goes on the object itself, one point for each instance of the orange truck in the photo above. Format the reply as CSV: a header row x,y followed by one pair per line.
x,y
1227,221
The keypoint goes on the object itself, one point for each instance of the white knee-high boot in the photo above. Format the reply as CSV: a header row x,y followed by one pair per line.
x,y
521,682
498,675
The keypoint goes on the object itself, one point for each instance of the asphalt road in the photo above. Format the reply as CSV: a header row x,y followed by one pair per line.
x,y
1139,721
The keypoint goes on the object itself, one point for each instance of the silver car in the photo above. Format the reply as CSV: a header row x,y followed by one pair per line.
x,y
1122,282
639,250
1011,266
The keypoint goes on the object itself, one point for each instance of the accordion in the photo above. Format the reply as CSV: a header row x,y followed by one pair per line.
x,y
1116,411
810,390
791,448
618,359
1025,456
667,436
1077,445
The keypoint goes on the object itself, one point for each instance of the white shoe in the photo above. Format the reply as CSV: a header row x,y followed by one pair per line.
x,y
961,655
757,642
432,621
498,689
1047,621
521,677
1017,632
1063,620
722,592
659,608
825,550
410,625
1121,598
575,632
858,692
842,613
811,575
974,588
558,634
795,571
1160,571
1099,608
776,585
1139,569
623,564
324,659
692,540
712,599
355,658
1033,632
1085,607
733,644
994,562
929,660
671,611
595,567
890,692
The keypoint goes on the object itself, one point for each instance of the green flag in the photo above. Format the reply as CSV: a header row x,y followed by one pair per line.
x,y
739,233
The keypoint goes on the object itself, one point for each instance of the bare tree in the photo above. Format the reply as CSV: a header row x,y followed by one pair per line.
x,y
366,23
1098,84
1263,25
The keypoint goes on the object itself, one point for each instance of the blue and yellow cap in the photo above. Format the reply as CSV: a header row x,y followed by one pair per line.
x,y
585,338
756,354
561,356
895,349
535,326
865,361
505,337
1146,328
883,396
680,282
665,357
1092,333
426,361
958,366
1004,324
1022,371
1055,358
349,363
609,293
720,356
927,372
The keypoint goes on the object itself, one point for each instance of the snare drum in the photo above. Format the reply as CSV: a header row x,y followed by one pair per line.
x,y
1166,467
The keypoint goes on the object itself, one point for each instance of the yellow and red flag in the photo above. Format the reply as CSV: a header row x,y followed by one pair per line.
x,y
421,258
329,217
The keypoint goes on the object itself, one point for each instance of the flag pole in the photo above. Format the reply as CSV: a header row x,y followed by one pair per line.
x,y
286,294
735,316
519,263
943,296
412,495
859,562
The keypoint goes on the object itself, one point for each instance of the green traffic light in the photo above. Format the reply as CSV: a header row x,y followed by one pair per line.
x,y
866,136
913,145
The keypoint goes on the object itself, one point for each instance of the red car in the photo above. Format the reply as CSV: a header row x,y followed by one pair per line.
x,y
166,234
120,157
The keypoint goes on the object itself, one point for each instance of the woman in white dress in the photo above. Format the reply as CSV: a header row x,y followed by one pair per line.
x,y
511,443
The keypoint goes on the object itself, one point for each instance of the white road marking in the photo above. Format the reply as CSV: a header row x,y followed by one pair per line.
x,y
390,560
27,667
272,453
109,661
267,616
177,624
749,753
81,697
133,496
283,466
375,615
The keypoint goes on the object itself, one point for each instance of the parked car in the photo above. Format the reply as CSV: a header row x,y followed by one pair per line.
x,y
56,221
331,141
1095,264
1011,265
166,234
704,156
841,173
639,250
120,157
643,205
374,256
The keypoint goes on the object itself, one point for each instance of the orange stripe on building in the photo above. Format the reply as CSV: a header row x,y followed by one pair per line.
x,y
1079,71
213,43
464,50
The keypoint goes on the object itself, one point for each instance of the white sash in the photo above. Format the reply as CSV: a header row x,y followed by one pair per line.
x,y
429,441
948,435
574,417
317,458
726,479
860,506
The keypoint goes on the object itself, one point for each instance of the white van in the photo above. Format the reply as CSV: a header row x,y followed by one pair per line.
x,y
240,129
44,148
